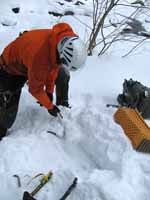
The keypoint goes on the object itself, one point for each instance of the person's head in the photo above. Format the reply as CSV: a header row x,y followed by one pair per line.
x,y
72,52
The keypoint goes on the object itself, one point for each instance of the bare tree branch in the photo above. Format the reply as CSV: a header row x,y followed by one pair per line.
x,y
135,47
128,28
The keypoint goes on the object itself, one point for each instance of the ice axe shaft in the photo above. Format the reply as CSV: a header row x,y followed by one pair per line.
x,y
60,115
60,120
112,105
52,132
43,181
70,189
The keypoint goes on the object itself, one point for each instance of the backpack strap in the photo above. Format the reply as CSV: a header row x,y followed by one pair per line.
x,y
3,64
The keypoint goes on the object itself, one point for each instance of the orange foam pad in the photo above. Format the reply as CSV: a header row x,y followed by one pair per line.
x,y
133,125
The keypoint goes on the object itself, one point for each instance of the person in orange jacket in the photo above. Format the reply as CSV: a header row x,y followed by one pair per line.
x,y
44,57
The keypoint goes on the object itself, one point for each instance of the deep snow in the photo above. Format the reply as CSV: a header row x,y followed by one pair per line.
x,y
94,149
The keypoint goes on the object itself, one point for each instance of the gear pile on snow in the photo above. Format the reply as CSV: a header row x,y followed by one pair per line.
x,y
44,180
135,95
134,127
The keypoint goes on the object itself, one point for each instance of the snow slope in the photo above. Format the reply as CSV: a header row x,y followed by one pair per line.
x,y
94,148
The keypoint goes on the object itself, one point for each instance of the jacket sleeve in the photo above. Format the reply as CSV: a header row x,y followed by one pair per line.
x,y
51,79
37,81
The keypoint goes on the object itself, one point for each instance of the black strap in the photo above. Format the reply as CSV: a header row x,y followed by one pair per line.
x,y
3,60
23,69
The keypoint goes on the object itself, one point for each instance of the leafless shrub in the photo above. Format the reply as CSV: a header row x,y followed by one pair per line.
x,y
128,28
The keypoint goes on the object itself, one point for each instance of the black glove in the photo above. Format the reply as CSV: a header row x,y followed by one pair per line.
x,y
54,111
39,103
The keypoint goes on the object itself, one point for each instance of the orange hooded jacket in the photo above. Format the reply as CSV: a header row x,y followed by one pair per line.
x,y
33,54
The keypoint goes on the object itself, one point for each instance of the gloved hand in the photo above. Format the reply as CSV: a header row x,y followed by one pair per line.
x,y
54,112
39,103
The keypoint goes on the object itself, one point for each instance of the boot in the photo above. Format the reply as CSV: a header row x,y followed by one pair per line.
x,y
62,103
3,132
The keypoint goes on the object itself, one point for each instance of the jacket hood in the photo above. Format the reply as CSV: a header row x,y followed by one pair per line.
x,y
58,32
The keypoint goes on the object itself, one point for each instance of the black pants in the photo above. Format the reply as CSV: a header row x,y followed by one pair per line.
x,y
62,87
10,91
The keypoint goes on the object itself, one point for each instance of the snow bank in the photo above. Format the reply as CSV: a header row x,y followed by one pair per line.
x,y
94,148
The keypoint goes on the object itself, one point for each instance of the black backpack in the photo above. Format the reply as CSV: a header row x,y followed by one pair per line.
x,y
135,95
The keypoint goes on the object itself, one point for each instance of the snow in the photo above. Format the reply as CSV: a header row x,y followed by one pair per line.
x,y
94,149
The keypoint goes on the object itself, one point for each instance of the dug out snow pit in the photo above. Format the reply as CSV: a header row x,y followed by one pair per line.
x,y
134,127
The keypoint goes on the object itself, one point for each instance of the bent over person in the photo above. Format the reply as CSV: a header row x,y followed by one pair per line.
x,y
44,58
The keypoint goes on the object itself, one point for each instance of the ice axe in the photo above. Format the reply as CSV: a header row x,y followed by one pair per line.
x,y
27,196
60,119
112,105
43,181
70,189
